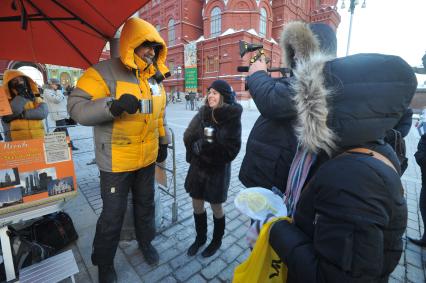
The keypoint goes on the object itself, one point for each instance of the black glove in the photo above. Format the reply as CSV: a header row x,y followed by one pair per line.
x,y
162,153
197,146
126,102
9,118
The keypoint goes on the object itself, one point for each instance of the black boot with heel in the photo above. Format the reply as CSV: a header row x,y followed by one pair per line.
x,y
201,229
219,230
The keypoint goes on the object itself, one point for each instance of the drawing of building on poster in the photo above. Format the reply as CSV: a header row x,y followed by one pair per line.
x,y
9,177
36,181
60,186
10,197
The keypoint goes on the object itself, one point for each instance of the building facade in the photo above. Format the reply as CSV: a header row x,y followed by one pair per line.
x,y
217,27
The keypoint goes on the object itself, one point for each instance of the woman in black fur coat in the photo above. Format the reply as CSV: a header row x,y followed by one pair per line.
x,y
210,161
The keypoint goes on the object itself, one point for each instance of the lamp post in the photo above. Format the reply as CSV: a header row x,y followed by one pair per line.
x,y
352,5
178,72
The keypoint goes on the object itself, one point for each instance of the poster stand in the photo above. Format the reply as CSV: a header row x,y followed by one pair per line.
x,y
36,178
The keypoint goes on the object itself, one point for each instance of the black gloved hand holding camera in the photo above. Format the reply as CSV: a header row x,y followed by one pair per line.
x,y
126,102
162,152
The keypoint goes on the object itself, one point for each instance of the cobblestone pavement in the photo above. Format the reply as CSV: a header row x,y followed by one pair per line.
x,y
173,239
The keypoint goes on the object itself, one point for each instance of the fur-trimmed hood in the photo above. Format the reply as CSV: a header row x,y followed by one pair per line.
x,y
302,51
343,102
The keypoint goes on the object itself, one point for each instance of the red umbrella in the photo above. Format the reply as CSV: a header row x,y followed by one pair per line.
x,y
61,32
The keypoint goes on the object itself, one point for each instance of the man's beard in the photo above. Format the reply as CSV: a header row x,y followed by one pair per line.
x,y
148,59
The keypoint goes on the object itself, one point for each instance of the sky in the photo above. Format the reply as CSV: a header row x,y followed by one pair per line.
x,y
396,27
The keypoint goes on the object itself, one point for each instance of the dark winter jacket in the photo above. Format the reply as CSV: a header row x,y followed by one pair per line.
x,y
271,144
348,226
210,163
351,214
420,154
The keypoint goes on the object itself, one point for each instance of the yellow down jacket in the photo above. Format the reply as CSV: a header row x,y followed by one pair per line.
x,y
31,127
128,142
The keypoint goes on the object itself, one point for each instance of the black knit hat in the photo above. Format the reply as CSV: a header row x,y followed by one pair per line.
x,y
224,89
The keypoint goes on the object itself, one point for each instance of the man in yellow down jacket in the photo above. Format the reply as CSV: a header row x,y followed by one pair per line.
x,y
121,98
29,110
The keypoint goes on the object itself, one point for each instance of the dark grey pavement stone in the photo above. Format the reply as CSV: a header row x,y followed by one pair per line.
x,y
196,279
415,274
213,269
399,272
413,258
187,270
228,273
231,254
157,274
180,261
168,279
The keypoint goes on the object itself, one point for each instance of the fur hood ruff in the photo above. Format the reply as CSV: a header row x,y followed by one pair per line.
x,y
311,95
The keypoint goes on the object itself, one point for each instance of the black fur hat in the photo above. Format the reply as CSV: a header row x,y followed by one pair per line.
x,y
224,89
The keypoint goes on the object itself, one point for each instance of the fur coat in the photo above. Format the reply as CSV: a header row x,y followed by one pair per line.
x,y
209,172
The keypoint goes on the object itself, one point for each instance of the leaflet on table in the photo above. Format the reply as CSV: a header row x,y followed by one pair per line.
x,y
35,169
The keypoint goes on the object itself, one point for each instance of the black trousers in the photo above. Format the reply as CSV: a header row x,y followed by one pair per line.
x,y
114,190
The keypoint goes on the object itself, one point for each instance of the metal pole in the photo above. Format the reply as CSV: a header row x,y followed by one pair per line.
x,y
175,204
352,9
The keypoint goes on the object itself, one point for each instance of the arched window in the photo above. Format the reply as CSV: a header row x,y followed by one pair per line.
x,y
215,22
263,21
158,27
171,28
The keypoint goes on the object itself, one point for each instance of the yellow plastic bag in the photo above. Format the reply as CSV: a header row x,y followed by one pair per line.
x,y
263,264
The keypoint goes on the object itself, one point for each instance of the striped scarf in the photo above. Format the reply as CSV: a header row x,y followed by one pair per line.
x,y
299,170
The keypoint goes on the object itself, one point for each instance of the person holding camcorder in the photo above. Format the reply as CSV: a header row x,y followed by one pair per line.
x,y
212,141
343,189
29,110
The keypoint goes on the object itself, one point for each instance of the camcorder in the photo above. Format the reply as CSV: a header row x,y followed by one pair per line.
x,y
246,47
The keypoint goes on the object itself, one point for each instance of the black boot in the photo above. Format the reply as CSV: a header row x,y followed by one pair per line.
x,y
72,146
219,230
149,253
201,229
107,274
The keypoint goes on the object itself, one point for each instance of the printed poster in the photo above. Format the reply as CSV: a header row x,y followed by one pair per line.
x,y
32,170
190,59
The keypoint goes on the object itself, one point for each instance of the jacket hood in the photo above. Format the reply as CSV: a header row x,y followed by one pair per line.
x,y
10,75
299,40
135,32
344,102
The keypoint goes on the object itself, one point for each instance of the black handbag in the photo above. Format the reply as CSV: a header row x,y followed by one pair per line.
x,y
55,230
70,122
26,251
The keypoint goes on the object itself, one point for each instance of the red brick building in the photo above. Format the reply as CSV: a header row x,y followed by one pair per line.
x,y
218,25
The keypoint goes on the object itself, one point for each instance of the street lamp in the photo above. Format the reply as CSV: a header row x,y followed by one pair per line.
x,y
178,71
352,5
